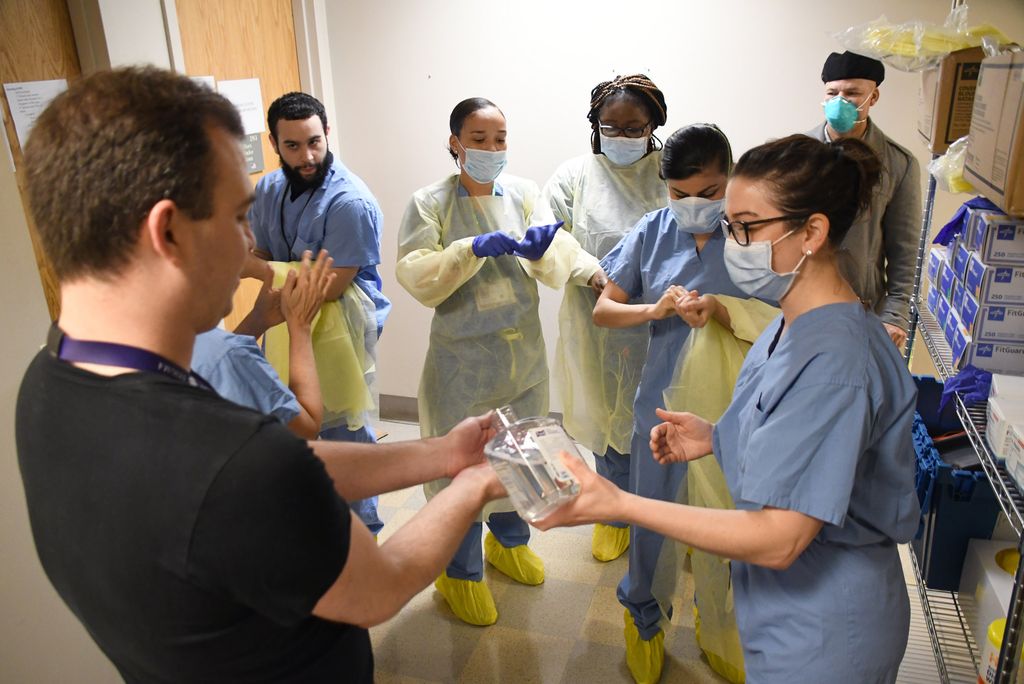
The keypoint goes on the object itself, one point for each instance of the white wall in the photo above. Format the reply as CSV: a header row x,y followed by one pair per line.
x,y
41,641
752,67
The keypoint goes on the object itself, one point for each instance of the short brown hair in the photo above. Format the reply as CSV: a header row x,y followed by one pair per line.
x,y
109,148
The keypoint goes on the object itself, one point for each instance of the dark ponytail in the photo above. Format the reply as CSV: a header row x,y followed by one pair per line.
x,y
806,176
694,149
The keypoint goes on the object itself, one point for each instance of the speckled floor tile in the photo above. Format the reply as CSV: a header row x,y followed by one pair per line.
x,y
512,655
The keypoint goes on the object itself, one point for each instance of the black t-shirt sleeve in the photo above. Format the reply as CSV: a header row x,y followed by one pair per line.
x,y
272,532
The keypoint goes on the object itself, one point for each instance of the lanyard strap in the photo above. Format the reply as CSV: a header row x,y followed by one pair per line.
x,y
298,223
67,348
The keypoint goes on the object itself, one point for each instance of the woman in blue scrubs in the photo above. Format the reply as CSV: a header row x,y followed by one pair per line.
x,y
816,445
669,254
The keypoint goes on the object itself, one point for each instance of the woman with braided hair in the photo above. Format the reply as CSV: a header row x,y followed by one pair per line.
x,y
600,197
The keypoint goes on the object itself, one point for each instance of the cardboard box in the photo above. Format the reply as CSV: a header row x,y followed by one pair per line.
x,y
960,259
999,238
1001,413
995,357
969,310
972,227
995,284
959,344
959,292
997,323
946,278
942,311
936,255
946,98
1008,386
949,330
933,300
994,163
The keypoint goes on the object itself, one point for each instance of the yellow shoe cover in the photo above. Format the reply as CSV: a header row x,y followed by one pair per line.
x,y
470,601
609,542
520,562
644,658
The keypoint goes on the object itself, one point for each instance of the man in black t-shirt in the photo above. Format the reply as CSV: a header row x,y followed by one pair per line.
x,y
196,540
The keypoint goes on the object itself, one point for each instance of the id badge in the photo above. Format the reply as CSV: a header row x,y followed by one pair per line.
x,y
494,295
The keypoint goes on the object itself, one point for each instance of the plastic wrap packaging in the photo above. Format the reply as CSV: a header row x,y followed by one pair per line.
x,y
948,169
919,45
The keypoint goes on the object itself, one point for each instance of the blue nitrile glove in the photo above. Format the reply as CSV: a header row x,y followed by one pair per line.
x,y
537,240
494,244
972,383
956,224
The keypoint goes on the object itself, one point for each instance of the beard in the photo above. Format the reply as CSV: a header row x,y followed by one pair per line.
x,y
299,183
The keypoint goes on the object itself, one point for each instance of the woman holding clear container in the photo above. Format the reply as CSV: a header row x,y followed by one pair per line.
x,y
467,250
816,444
600,196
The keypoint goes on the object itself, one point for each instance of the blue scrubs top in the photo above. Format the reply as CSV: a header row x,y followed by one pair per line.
x,y
820,423
237,369
341,216
653,256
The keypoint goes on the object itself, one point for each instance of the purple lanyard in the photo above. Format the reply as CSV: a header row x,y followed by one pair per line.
x,y
67,348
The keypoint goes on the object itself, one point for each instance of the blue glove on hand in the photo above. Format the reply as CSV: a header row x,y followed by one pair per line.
x,y
537,240
494,244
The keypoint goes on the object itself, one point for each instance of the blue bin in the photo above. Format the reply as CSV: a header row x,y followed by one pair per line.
x,y
956,506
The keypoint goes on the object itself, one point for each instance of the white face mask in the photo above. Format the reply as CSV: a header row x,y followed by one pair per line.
x,y
484,166
623,151
697,215
750,269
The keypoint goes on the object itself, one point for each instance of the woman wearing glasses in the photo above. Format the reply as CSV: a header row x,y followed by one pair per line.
x,y
816,445
670,254
600,196
466,251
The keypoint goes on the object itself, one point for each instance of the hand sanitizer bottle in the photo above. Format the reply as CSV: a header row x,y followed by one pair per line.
x,y
525,456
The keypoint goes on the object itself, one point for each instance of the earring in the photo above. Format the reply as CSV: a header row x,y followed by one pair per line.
x,y
809,252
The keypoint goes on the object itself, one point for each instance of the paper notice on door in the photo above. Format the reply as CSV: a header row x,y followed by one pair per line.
x,y
28,100
245,95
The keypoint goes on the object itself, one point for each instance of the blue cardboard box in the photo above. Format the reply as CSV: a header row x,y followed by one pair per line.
x,y
995,357
995,284
960,259
942,311
969,311
999,239
936,256
997,323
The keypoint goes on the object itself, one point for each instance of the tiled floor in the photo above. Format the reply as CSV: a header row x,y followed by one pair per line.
x,y
568,629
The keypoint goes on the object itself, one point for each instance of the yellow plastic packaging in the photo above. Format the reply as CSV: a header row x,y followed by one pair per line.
x,y
948,169
917,45
702,384
344,341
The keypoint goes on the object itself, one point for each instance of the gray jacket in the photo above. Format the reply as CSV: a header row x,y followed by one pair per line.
x,y
883,241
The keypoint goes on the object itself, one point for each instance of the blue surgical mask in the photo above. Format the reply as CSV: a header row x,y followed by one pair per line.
x,y
623,151
697,215
750,269
483,166
841,113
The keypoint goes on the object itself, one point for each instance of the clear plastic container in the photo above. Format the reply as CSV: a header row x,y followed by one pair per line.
x,y
524,454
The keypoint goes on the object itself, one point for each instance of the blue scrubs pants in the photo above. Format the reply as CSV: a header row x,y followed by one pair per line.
x,y
468,563
614,467
366,509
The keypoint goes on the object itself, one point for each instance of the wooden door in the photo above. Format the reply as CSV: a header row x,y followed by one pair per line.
x,y
235,39
36,44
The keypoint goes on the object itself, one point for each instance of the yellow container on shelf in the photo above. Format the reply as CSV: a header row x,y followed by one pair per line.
x,y
993,643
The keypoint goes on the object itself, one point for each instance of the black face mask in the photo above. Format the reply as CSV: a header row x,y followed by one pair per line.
x,y
300,184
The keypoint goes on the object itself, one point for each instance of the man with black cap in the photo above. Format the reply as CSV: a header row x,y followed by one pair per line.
x,y
882,243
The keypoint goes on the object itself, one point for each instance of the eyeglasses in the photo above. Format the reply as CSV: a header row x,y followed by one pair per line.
x,y
615,131
740,230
